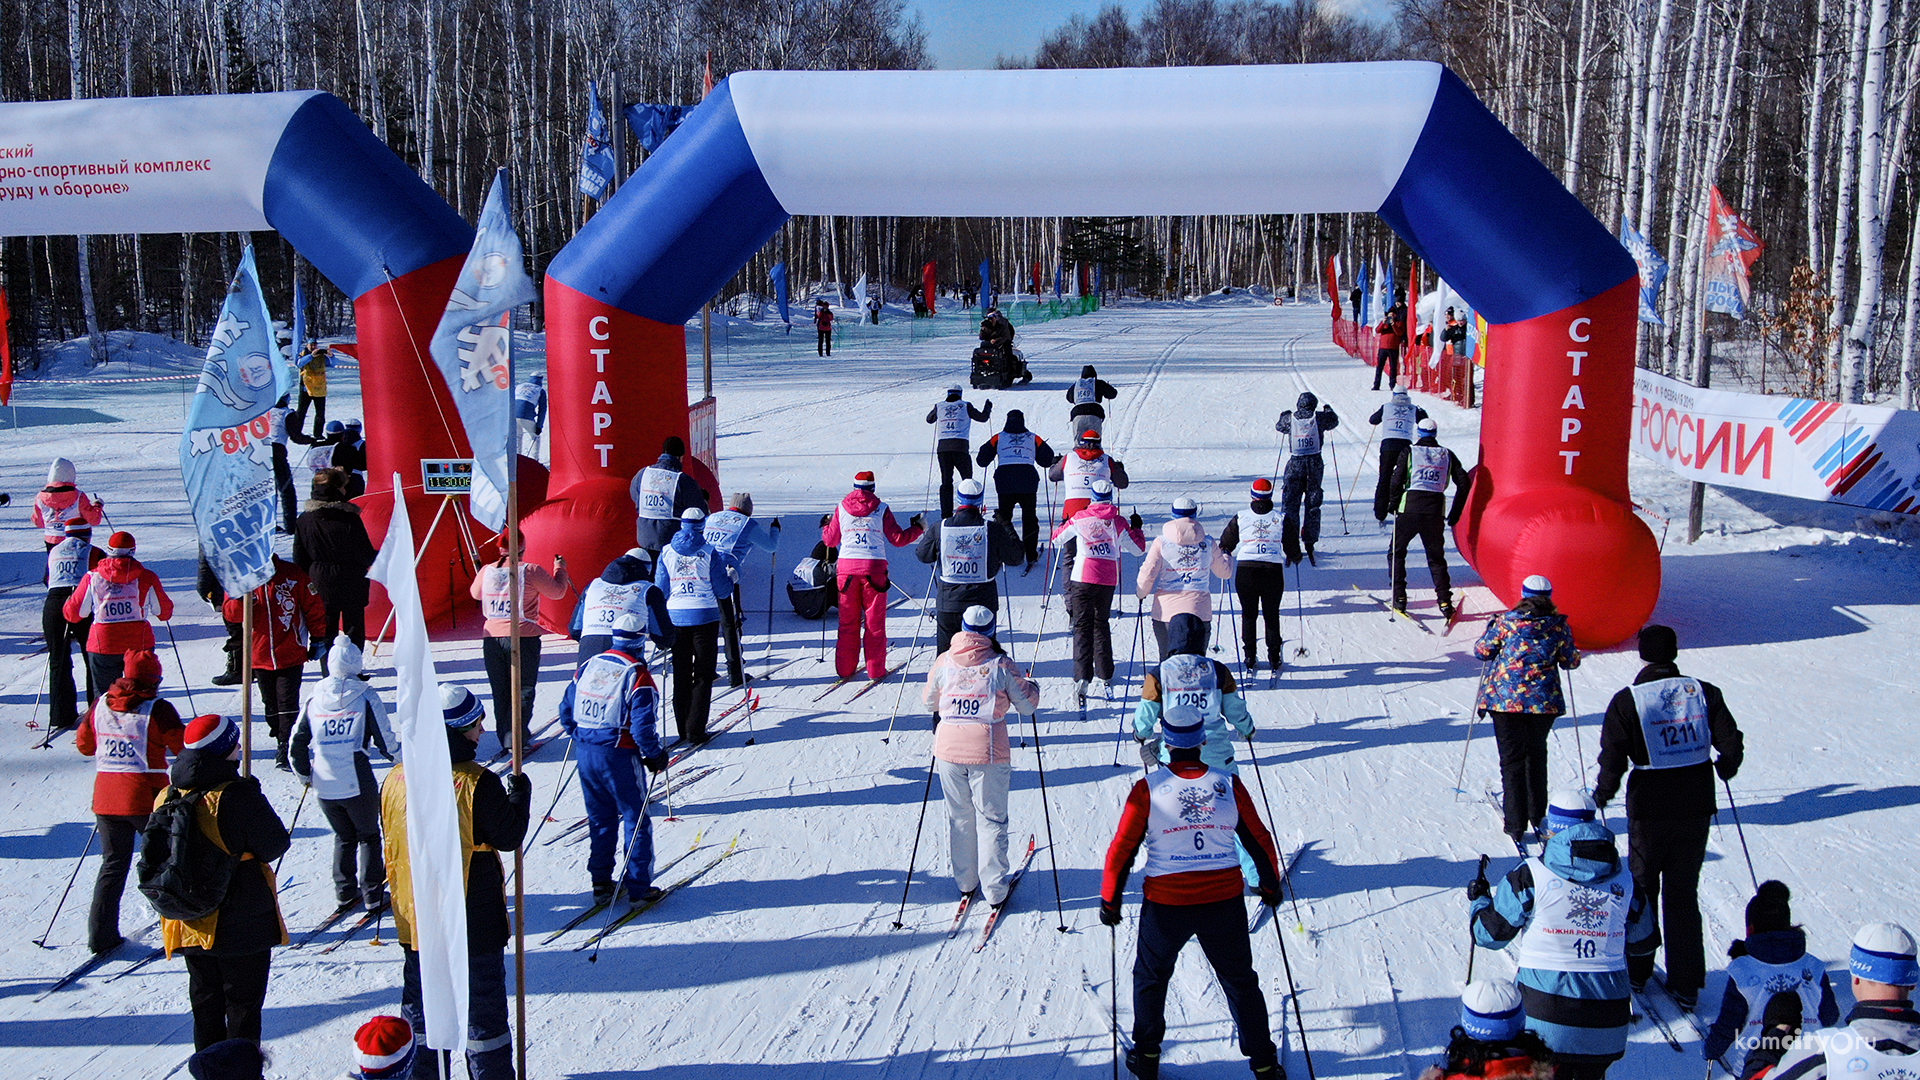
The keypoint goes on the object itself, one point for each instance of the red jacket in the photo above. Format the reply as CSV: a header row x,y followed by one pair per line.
x,y
860,502
1193,886
823,318
287,617
119,588
58,503
126,783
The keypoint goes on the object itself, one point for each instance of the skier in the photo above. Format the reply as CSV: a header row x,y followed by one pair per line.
x,y
1175,572
329,754
1490,1040
1772,956
1187,679
331,543
1086,393
282,467
1094,538
1016,479
289,628
823,328
1079,469
383,1049
530,412
128,733
493,818
1881,1037
1396,420
733,533
492,586
954,418
230,952
1189,817
1302,481
313,389
1417,492
350,455
969,689
693,575
663,491
1661,728
967,552
61,501
119,595
1520,692
1252,538
1393,332
1588,922
625,587
861,528
612,710
67,565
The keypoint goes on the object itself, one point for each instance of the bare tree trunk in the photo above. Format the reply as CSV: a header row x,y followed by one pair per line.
x,y
1843,211
1909,352
96,345
1873,224
1816,121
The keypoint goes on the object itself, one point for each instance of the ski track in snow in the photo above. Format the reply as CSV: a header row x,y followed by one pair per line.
x,y
783,955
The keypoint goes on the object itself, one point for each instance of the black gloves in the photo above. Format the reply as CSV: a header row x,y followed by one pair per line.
x,y
918,521
316,650
1478,888
776,524
656,763
1726,767
989,409
1270,895
519,787
824,518
935,717
1110,912
1134,520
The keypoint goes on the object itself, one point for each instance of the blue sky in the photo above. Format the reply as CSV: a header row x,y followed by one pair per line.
x,y
970,33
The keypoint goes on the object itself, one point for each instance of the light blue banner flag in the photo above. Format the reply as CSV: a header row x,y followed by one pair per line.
x,y
780,295
1059,280
596,154
473,347
1653,271
1366,296
986,285
226,451
299,322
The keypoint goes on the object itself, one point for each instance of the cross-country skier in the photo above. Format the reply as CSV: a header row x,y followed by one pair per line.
x,y
1586,920
734,532
1396,420
530,412
1392,333
1301,483
1080,468
331,543
1667,728
128,733
1175,572
693,575
289,628
612,710
350,456
67,565
1881,1038
625,587
282,465
661,492
1016,479
1417,492
1189,816
493,818
119,595
493,587
1252,538
1491,1039
969,688
861,528
62,500
1772,956
1520,692
953,425
1086,393
966,551
340,719
1094,539
1188,679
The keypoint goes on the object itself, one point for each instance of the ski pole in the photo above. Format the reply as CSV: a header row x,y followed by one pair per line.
x,y
1573,710
899,920
1237,620
565,779
919,624
1299,923
773,577
1460,778
1300,608
1113,992
620,876
668,770
1473,944
1735,809
1339,485
1299,1021
42,939
291,825
181,664
1040,758
1134,663
752,705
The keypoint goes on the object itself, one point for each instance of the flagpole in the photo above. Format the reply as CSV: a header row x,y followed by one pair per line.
x,y
246,684
513,699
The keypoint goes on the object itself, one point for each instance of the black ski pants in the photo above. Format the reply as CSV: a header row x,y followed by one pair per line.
x,y
1522,741
489,1048
696,656
1390,451
283,485
62,637
497,654
227,993
824,343
731,628
1664,856
1386,362
1027,502
359,866
1300,496
1090,610
119,837
952,461
1222,929
1261,586
279,699
319,406
1432,531
104,667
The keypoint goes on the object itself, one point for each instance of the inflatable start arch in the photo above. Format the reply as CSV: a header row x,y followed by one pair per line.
x,y
1405,140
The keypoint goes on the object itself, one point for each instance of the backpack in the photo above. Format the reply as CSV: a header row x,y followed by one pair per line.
x,y
182,872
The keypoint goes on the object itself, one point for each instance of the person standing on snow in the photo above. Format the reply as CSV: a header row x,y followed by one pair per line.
x,y
207,586
1665,728
282,465
953,419
119,595
1881,1038
1093,539
823,328
1772,955
1491,1039
1418,494
289,628
969,688
694,576
492,586
350,456
1188,679
329,754
1175,572
733,533
1252,538
1396,420
331,543
1189,816
313,389
967,552
663,491
612,711
493,818
1016,479
861,528
1302,481
1392,333
1079,469
67,565
1524,650
1586,922
128,733
61,501
1086,393
530,412
625,587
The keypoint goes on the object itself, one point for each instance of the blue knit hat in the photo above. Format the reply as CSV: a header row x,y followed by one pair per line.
x,y
1883,952
1536,585
1490,1011
978,619
970,492
459,708
1568,808
1102,490
1182,727
1185,507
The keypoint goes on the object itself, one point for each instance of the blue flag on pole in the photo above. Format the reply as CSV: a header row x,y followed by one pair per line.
x,y
473,348
780,295
226,451
652,124
1366,296
986,285
1059,280
596,154
1097,281
1653,271
299,321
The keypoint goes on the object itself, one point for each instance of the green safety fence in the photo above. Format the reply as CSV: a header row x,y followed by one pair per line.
x,y
733,339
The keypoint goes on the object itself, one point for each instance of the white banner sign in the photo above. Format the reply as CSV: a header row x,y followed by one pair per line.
x,y
1857,455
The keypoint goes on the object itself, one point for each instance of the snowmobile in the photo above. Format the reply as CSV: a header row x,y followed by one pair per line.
x,y
999,368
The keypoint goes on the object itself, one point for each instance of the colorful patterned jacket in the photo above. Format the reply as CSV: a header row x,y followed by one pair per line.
x,y
1523,648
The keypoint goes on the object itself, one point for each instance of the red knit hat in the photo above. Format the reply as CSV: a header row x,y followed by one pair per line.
x,y
863,480
120,543
383,1048
1263,489
142,666
215,736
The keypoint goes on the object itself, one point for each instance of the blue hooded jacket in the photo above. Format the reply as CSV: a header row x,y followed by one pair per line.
x,y
691,540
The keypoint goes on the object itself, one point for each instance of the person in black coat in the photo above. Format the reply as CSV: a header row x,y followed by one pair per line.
x,y
1021,454
1416,492
331,543
1086,394
967,572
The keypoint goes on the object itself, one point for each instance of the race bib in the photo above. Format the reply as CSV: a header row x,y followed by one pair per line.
x,y
657,486
963,554
1427,467
67,563
1260,537
1673,720
1086,391
689,585
952,421
966,695
120,739
116,601
1016,448
1306,433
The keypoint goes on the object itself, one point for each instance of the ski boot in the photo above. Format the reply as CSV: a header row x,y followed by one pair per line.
x,y
603,892
1144,1066
1253,664
1311,561
1446,610
1079,691
1100,688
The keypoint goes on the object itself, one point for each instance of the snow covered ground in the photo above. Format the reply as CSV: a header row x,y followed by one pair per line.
x,y
783,956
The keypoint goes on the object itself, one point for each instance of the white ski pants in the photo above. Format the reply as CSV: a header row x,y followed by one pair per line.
x,y
976,798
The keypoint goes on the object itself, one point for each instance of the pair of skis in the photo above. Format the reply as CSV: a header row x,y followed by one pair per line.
x,y
573,833
870,683
334,919
1398,613
993,917
1263,911
639,909
599,906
